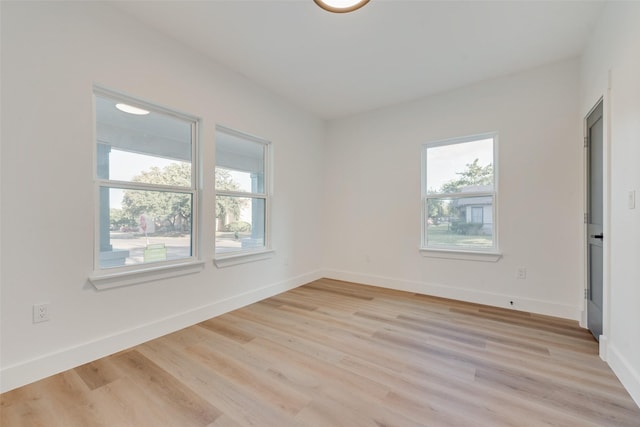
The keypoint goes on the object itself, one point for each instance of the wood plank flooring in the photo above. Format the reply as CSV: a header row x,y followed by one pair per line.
x,y
332,353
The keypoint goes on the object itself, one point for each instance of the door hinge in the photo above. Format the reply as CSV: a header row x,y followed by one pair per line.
x,y
586,218
586,142
586,293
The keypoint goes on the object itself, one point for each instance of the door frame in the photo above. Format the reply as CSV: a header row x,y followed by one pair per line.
x,y
606,228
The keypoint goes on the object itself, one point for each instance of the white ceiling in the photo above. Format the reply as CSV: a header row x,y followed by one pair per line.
x,y
388,52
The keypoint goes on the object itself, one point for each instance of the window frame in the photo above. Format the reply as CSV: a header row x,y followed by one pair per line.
x,y
108,277
230,258
491,253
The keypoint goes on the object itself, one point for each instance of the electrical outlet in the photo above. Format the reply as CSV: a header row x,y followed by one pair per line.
x,y
40,313
521,273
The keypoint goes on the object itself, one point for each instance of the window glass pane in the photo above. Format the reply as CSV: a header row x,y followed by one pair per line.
x,y
240,223
234,180
141,226
242,159
130,144
477,214
460,223
460,168
127,166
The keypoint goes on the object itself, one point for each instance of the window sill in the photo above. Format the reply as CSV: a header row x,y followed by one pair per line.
x,y
461,255
149,274
223,261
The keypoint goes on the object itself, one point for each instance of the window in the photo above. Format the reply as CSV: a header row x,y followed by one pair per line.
x,y
145,183
477,214
242,193
459,194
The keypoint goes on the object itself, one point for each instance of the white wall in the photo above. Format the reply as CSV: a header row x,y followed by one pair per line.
x,y
372,193
615,47
52,54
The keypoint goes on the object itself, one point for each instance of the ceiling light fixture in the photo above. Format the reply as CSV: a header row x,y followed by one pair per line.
x,y
341,6
131,109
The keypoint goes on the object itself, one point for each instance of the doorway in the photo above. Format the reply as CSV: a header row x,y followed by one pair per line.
x,y
594,218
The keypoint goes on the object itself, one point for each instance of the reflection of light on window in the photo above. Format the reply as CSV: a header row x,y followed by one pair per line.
x,y
132,110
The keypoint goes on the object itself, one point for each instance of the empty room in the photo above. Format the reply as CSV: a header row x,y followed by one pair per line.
x,y
320,213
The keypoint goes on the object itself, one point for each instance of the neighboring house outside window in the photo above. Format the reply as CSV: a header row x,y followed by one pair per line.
x,y
146,185
459,195
242,193
477,213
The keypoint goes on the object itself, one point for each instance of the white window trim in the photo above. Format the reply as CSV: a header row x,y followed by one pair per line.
x,y
149,273
461,255
229,259
491,254
106,278
237,258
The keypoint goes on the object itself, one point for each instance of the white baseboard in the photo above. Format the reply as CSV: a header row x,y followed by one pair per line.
x,y
548,308
603,347
583,318
44,366
28,371
625,371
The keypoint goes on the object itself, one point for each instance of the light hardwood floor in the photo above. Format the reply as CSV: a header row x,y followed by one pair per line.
x,y
332,354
